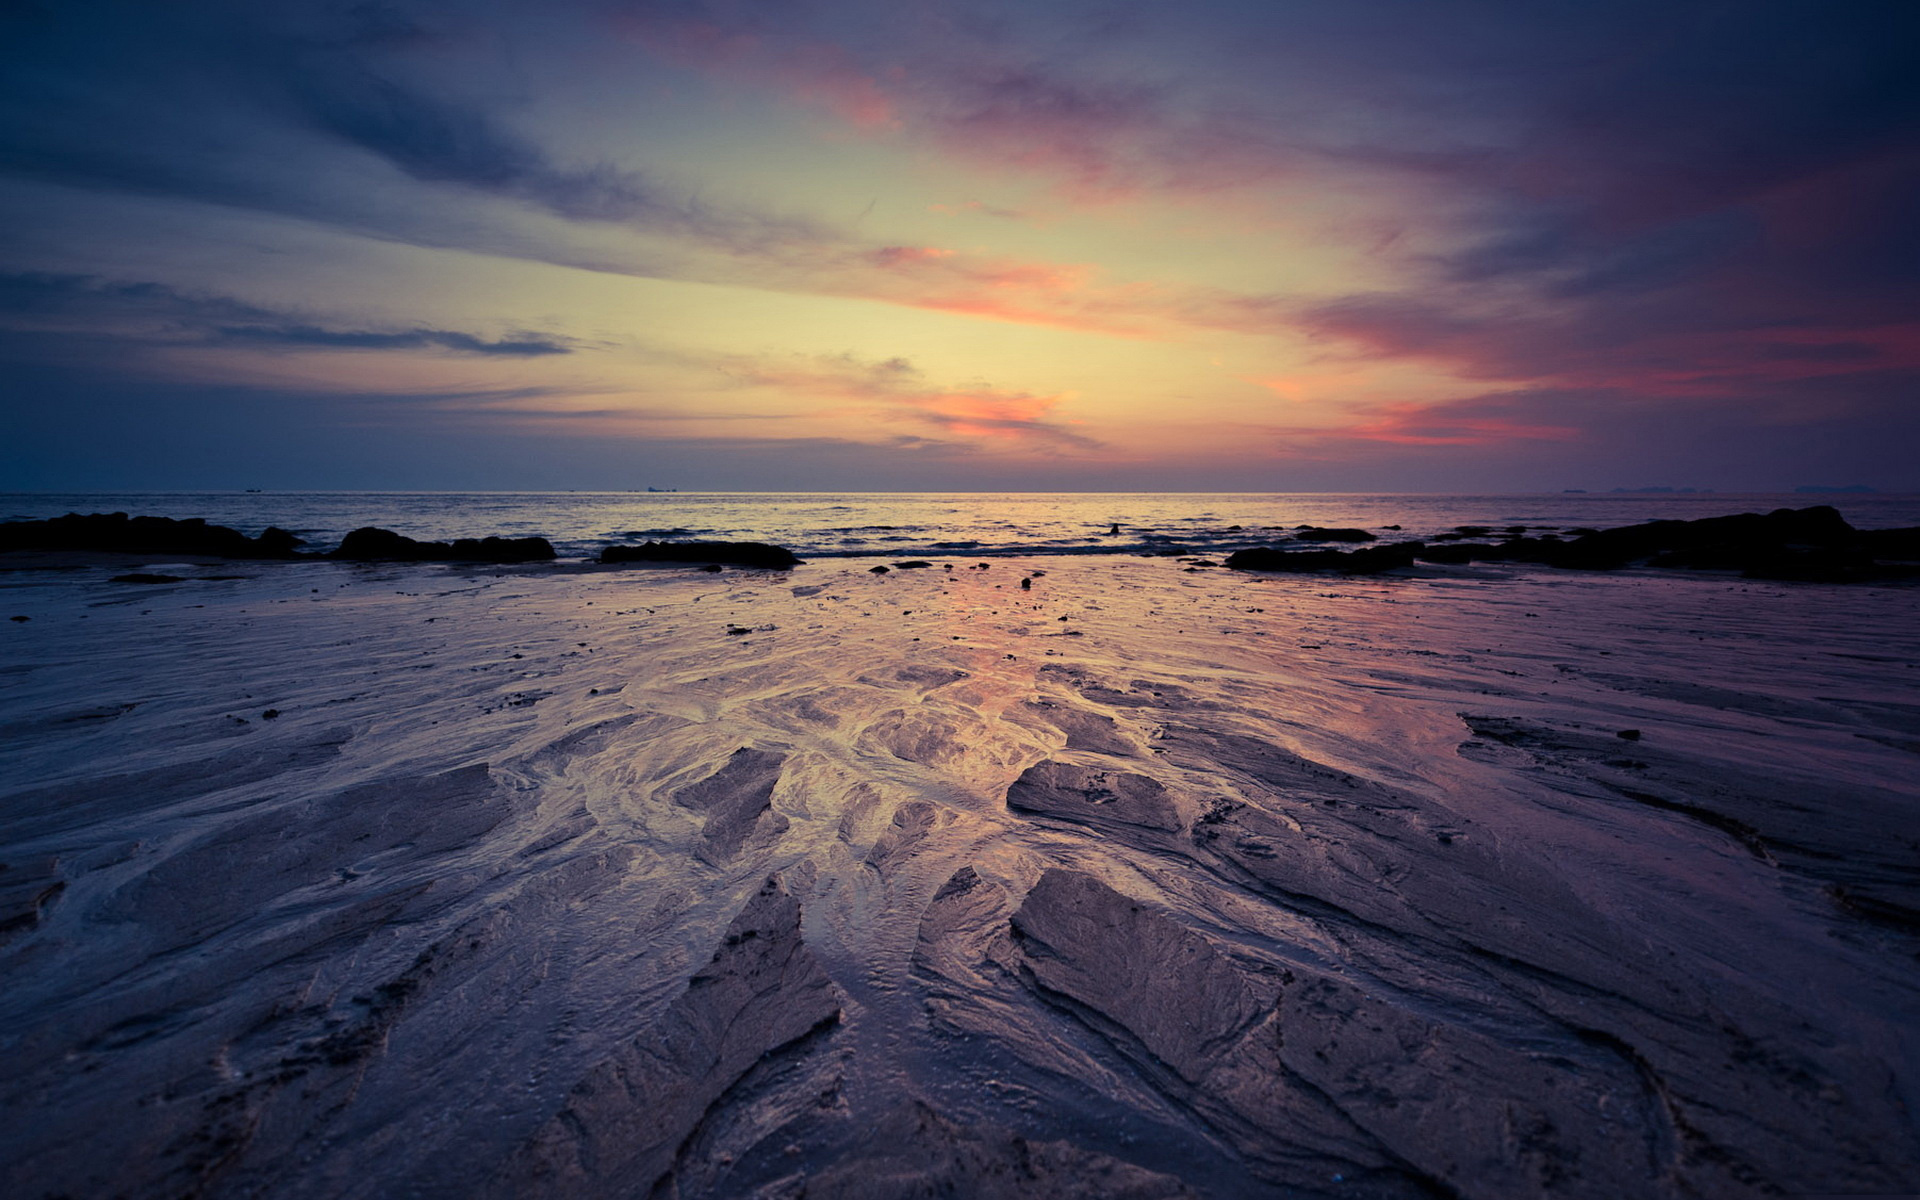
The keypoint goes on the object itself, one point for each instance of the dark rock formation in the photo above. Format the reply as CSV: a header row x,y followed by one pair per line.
x,y
119,533
915,1151
1094,797
739,554
625,1126
371,544
737,800
1812,544
1314,533
1368,561
26,889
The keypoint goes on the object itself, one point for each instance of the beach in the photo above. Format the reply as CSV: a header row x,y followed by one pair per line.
x,y
1146,879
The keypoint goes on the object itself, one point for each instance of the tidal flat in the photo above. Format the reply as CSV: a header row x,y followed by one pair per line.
x,y
332,880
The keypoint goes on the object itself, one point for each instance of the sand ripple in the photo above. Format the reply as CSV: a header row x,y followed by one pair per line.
x,y
374,881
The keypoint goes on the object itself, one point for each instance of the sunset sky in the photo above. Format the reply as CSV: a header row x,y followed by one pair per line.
x,y
1398,245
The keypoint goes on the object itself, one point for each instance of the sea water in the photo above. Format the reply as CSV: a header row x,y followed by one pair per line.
x,y
819,524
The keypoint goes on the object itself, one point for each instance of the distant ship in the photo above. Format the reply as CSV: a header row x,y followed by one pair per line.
x,y
655,489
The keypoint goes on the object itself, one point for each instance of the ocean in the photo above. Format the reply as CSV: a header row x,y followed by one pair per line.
x,y
869,524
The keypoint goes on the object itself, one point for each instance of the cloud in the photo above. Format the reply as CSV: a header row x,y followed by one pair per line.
x,y
980,207
894,390
1687,168
979,90
1655,201
1666,346
86,309
292,112
1480,422
315,337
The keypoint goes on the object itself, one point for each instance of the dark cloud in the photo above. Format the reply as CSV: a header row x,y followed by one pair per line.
x,y
973,416
263,107
1694,203
83,309
436,141
314,337
49,293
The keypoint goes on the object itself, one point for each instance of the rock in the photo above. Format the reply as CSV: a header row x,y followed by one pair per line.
x,y
119,533
275,542
1094,796
1368,561
1137,966
914,1151
738,802
1809,544
372,544
1314,533
1896,545
1731,542
738,554
622,1127
877,570
1803,566
26,889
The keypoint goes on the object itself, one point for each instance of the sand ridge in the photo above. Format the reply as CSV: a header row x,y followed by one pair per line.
x,y
1135,882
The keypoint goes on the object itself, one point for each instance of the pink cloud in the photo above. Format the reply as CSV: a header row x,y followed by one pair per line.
x,y
895,392
816,73
1648,351
1099,140
1443,425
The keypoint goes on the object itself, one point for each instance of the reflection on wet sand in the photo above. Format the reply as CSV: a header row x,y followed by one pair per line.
x,y
1135,882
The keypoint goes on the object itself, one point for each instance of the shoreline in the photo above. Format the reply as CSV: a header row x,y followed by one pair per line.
x,y
1813,544
477,840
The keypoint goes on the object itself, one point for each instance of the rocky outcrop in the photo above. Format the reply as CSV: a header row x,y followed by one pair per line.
x,y
118,533
1092,796
915,1151
1812,544
372,544
1369,560
735,554
737,801
1312,1078
1315,533
623,1126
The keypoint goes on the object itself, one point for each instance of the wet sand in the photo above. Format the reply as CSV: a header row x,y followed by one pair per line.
x,y
1142,882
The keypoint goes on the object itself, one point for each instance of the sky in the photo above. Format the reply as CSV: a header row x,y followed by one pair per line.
x,y
1248,245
